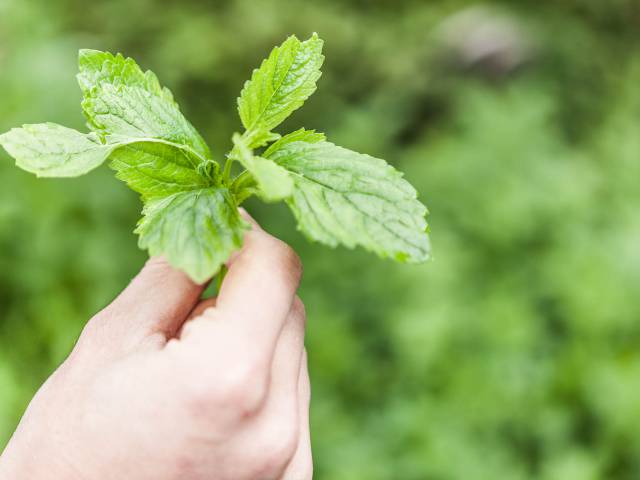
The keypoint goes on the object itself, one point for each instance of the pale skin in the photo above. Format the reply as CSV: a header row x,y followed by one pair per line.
x,y
164,386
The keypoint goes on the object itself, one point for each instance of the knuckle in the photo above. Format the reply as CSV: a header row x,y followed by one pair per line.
x,y
289,261
298,310
275,451
237,392
241,390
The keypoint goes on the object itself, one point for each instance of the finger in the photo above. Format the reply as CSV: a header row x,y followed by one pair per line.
x,y
237,338
282,400
192,319
277,428
258,291
301,465
157,301
201,307
285,369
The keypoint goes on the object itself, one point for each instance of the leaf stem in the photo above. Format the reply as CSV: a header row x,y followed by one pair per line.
x,y
244,194
232,156
241,180
220,278
226,172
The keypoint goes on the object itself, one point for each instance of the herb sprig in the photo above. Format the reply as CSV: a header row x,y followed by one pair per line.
x,y
191,201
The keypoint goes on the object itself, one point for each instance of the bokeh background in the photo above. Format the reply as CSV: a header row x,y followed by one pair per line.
x,y
515,353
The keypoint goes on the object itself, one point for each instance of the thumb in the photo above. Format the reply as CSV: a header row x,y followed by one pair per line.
x,y
155,304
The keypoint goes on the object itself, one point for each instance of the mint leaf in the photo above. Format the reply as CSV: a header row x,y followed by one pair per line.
x,y
301,135
273,182
281,85
122,101
344,197
195,230
155,169
96,68
51,150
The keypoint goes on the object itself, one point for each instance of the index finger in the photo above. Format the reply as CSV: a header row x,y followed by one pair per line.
x,y
258,292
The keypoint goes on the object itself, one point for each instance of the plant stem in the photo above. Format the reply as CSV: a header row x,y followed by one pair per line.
x,y
244,194
226,172
221,274
241,180
231,157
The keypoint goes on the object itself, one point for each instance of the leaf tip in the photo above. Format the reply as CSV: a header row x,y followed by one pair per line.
x,y
85,52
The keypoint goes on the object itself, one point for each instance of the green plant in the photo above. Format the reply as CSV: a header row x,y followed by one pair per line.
x,y
190,210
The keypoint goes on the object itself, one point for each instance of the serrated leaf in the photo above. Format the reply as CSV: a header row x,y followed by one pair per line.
x,y
300,135
96,68
120,100
281,85
155,169
274,182
50,150
260,138
344,197
196,230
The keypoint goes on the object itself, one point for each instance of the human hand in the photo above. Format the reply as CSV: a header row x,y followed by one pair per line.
x,y
163,386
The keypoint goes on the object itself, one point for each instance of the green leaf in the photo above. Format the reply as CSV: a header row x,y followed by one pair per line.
x,y
196,230
155,169
96,68
301,135
344,197
260,138
120,100
281,85
51,150
274,182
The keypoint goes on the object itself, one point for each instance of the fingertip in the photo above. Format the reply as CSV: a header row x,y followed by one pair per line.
x,y
244,214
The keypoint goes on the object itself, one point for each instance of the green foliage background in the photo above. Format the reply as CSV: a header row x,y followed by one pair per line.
x,y
514,354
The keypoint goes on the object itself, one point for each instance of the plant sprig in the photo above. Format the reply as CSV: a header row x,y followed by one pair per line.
x,y
190,212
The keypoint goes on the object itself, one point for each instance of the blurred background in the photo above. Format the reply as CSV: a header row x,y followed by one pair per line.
x,y
515,353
